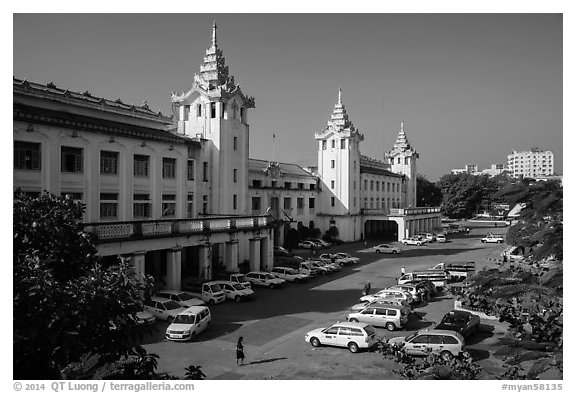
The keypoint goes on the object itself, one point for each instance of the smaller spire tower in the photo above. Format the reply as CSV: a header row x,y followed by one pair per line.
x,y
402,160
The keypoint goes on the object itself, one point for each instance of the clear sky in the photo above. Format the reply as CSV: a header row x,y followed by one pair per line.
x,y
470,87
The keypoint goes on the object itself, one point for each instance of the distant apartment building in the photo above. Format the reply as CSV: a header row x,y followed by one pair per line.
x,y
469,168
472,169
534,163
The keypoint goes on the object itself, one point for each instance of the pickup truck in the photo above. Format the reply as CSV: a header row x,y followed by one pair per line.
x,y
493,239
209,292
457,271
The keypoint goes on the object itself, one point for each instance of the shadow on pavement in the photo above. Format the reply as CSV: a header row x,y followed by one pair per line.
x,y
265,361
478,354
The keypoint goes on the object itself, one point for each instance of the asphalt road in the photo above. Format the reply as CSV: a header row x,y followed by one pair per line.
x,y
273,325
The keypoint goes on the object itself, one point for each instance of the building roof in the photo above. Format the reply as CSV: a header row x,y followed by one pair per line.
x,y
256,165
377,167
86,99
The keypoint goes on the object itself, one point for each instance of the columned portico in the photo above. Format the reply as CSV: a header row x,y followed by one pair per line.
x,y
204,257
174,268
266,246
232,256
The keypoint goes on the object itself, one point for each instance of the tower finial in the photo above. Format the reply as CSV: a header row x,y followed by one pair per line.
x,y
339,96
214,27
402,125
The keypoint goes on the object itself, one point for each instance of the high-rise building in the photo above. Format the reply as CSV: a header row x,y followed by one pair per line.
x,y
533,163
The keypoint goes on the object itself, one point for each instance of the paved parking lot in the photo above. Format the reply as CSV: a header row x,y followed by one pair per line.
x,y
273,325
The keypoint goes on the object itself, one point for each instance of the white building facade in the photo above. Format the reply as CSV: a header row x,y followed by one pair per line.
x,y
534,163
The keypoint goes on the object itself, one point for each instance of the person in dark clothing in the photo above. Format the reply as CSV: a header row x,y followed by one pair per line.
x,y
240,352
367,288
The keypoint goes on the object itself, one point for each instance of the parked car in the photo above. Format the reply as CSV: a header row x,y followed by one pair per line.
x,y
182,298
307,268
322,243
308,244
347,257
412,241
383,301
441,238
492,239
389,316
264,279
162,308
321,269
422,237
351,335
209,292
386,249
238,278
463,322
411,289
236,292
389,294
281,252
189,323
445,342
289,274
145,318
331,266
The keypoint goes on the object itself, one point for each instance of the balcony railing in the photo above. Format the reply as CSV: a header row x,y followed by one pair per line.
x,y
413,211
137,230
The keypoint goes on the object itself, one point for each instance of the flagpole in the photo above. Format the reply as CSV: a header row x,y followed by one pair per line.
x,y
273,148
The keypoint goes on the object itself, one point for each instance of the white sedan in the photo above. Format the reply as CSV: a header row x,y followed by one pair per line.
x,y
386,249
289,274
347,257
351,335
412,241
308,244
264,279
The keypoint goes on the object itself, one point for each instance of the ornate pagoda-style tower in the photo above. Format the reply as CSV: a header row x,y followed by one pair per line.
x,y
215,110
403,161
339,163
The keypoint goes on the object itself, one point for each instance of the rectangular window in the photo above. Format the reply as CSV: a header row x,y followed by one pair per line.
x,y
287,185
311,203
235,175
190,205
168,205
333,143
377,186
256,204
365,184
205,171
168,168
243,115
323,145
223,114
190,169
332,201
108,162
75,196
332,163
388,187
212,110
108,205
26,155
199,110
141,165
204,204
235,143
300,206
342,143
274,184
354,184
256,183
186,112
142,206
332,183
287,203
300,186
234,201
72,159
312,186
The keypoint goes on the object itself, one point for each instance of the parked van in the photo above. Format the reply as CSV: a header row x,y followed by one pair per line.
x,y
210,292
189,323
238,278
390,316
438,277
445,342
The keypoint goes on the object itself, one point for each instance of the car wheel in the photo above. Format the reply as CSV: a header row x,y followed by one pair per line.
x,y
315,342
211,302
446,355
394,252
390,326
353,347
353,320
237,298
377,251
483,241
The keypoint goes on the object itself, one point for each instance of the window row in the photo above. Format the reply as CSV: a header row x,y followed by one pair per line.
x,y
27,156
381,185
256,183
209,109
142,205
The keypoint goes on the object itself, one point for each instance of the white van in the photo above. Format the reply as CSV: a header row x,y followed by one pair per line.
x,y
438,277
189,323
209,292
391,317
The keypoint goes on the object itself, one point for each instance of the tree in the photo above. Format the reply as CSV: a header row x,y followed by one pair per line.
x,y
66,304
464,195
427,193
540,222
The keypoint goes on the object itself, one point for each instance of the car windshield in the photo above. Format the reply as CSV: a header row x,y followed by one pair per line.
x,y
237,287
171,305
451,320
184,319
410,337
241,278
269,276
184,296
215,288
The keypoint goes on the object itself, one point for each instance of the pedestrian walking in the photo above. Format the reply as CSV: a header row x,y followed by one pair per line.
x,y
240,352
367,288
402,271
467,231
